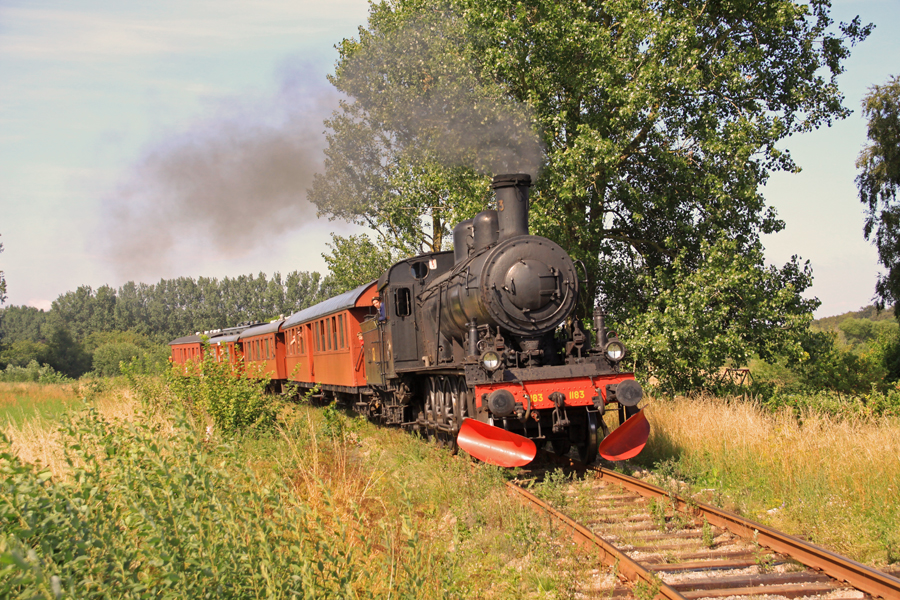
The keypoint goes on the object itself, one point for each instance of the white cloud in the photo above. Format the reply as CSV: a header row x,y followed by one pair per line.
x,y
39,303
73,35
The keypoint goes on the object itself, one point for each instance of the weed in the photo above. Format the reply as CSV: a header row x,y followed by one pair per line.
x,y
708,536
765,560
553,488
658,513
234,401
644,590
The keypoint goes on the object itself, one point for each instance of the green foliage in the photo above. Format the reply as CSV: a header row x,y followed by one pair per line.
x,y
67,354
728,309
111,350
33,371
879,180
108,357
21,323
865,331
144,515
852,369
22,352
234,401
355,260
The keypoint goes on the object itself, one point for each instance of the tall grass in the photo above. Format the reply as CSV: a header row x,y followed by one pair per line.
x,y
835,480
23,400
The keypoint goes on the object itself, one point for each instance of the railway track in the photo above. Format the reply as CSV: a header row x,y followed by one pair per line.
x,y
662,545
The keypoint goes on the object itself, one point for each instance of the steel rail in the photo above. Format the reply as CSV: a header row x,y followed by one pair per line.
x,y
609,554
866,579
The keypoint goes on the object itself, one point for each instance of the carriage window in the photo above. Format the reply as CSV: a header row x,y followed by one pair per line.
x,y
268,349
326,333
334,332
302,345
316,332
403,302
341,329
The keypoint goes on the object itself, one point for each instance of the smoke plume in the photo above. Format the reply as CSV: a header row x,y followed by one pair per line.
x,y
226,184
422,86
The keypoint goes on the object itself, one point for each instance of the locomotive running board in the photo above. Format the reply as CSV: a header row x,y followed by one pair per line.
x,y
494,445
628,439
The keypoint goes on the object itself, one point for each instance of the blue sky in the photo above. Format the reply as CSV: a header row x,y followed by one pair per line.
x,y
107,109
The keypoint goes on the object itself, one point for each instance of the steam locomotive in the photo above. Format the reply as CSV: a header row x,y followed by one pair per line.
x,y
474,347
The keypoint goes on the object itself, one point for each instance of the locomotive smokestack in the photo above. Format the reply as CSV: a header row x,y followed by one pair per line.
x,y
512,203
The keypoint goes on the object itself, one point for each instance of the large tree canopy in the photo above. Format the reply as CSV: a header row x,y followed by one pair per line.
x,y
650,125
878,182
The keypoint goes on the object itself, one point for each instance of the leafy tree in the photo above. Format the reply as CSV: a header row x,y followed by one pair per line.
x,y
85,310
728,309
354,260
106,359
398,153
859,332
21,323
21,352
878,182
67,354
658,121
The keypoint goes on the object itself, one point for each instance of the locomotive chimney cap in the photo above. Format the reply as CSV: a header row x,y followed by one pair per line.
x,y
511,180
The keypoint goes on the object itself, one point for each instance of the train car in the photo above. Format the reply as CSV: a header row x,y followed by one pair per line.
x,y
226,348
263,351
324,343
186,349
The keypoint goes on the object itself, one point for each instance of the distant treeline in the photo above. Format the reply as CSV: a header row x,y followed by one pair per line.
x,y
140,318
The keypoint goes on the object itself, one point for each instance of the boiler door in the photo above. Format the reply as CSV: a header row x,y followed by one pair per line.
x,y
530,284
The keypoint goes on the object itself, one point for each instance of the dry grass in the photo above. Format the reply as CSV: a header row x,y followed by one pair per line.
x,y
35,436
836,481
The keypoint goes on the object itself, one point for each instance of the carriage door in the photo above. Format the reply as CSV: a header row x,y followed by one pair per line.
x,y
403,326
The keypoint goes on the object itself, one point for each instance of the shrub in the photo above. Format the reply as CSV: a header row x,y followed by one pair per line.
x,y
108,357
32,372
235,401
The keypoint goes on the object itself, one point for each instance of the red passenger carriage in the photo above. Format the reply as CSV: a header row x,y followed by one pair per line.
x,y
324,345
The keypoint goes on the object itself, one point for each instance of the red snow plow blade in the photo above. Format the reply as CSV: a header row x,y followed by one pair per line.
x,y
494,445
628,439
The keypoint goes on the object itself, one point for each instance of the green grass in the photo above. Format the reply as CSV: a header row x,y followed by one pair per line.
x,y
23,401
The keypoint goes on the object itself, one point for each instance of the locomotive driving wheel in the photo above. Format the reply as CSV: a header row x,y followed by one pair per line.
x,y
430,407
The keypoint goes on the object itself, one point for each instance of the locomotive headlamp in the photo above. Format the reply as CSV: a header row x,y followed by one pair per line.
x,y
615,351
490,360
